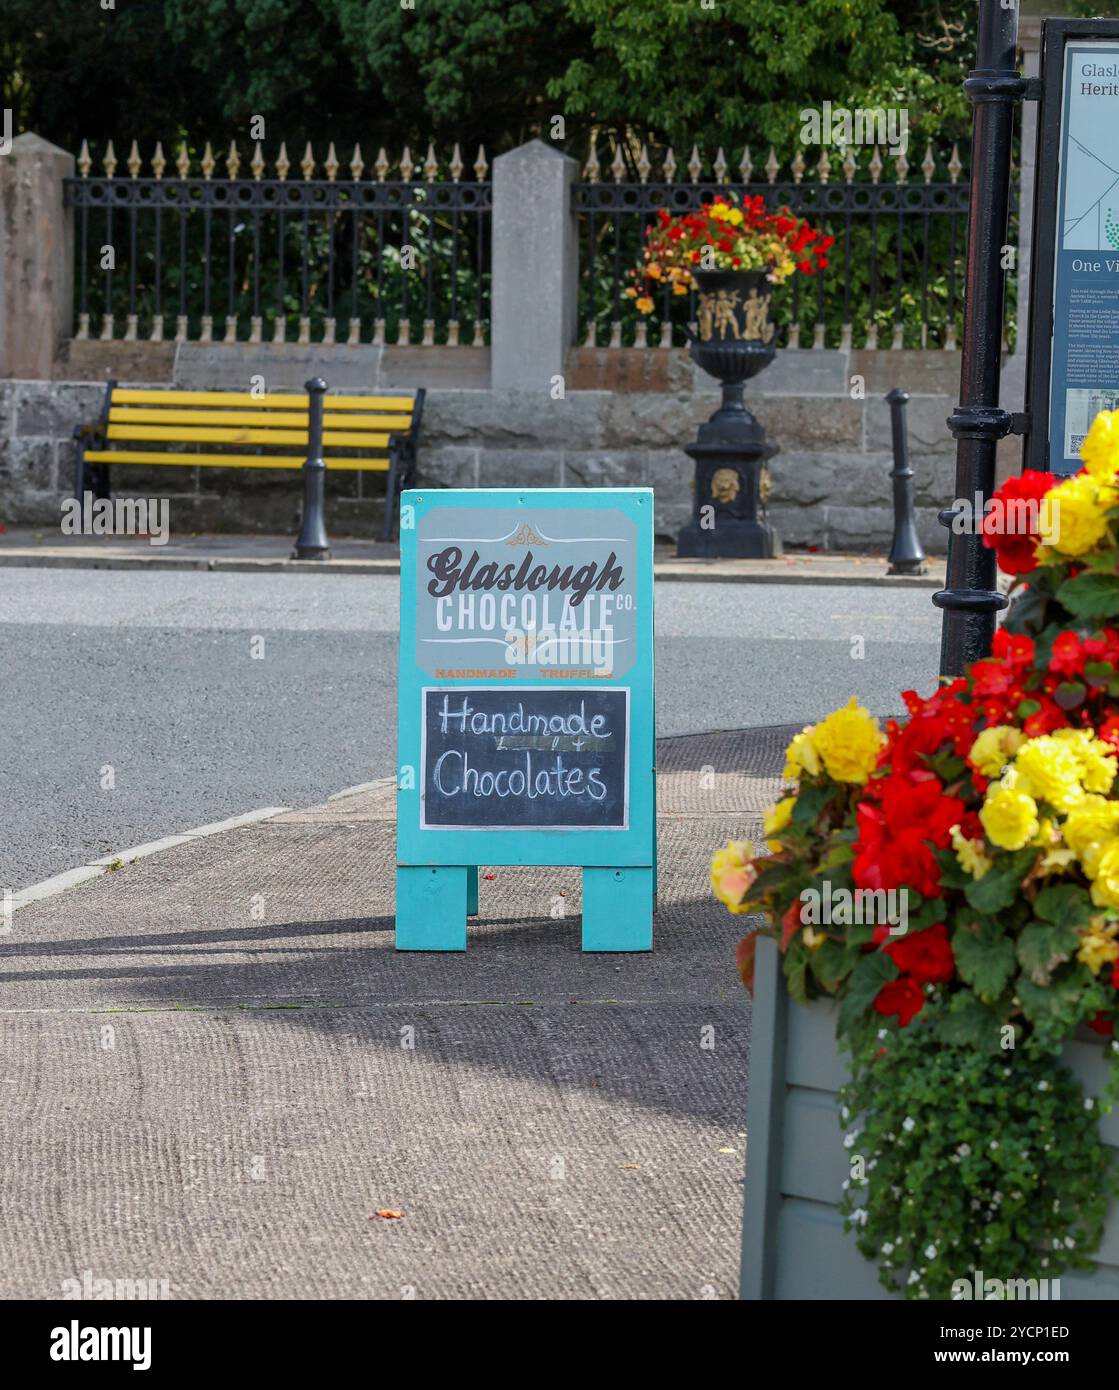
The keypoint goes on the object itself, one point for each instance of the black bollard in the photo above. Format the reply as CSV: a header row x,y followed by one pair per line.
x,y
312,542
906,555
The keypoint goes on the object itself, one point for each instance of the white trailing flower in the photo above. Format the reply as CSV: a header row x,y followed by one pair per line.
x,y
909,1124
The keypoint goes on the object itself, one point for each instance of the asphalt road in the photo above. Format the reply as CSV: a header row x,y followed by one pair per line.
x,y
134,705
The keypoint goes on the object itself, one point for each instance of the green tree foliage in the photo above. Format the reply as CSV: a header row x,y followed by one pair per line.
x,y
479,71
680,72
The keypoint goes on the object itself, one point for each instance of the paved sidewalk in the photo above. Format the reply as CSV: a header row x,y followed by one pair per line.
x,y
207,1079
264,554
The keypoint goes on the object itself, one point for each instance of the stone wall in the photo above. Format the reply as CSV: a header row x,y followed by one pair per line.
x,y
623,421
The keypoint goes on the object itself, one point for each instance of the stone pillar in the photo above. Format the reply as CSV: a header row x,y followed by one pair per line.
x,y
535,266
36,257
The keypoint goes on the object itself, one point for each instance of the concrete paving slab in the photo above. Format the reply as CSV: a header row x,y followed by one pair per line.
x,y
217,1070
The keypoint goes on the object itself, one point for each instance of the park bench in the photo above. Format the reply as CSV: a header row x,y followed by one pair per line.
x,y
215,429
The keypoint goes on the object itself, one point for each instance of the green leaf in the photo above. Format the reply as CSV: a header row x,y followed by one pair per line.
x,y
1064,903
836,857
830,964
864,982
984,957
796,968
1001,884
810,803
1090,594
1057,1001
1042,946
1070,694
1104,560
947,766
952,873
930,911
967,1022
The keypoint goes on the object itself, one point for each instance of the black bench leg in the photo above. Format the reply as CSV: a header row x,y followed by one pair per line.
x,y
89,477
392,489
81,472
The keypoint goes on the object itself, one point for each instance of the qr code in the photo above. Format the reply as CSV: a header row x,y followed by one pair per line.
x,y
1075,441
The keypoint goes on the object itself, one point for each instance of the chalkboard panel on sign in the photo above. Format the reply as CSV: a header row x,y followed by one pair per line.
x,y
525,757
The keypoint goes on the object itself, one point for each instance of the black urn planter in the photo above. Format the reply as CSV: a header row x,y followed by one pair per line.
x,y
734,342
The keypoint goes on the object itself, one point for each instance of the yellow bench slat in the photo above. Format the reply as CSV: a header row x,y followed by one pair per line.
x,y
286,400
293,419
215,434
364,465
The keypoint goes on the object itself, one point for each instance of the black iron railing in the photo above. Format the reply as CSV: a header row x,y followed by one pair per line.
x,y
896,273
258,259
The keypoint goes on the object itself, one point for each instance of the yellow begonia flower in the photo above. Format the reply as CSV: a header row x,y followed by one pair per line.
x,y
970,854
644,305
1100,450
1098,945
1057,856
801,757
732,874
812,939
1009,816
1075,522
1088,827
1105,875
994,747
1095,759
776,819
1056,861
849,741
1048,770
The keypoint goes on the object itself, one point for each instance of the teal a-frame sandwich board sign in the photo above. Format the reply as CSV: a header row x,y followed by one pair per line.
x,y
525,719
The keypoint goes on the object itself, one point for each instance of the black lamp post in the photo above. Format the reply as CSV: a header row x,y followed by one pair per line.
x,y
970,598
312,542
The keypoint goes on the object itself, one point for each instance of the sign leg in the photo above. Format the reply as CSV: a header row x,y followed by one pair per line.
x,y
431,907
618,909
472,890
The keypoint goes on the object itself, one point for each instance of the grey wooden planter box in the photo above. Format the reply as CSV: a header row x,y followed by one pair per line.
x,y
793,1241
